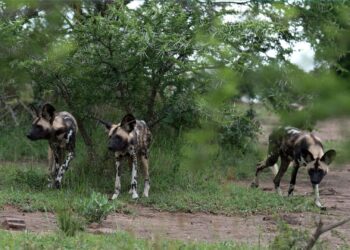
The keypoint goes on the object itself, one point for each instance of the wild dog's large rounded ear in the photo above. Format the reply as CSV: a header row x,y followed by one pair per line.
x,y
35,112
48,112
306,156
128,123
329,156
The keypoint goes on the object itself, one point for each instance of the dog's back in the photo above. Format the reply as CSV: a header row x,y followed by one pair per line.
x,y
143,137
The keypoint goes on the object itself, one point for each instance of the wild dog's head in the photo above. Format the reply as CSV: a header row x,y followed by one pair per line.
x,y
120,134
42,124
317,168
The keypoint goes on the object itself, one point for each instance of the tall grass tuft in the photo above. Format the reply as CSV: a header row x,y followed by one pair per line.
x,y
68,222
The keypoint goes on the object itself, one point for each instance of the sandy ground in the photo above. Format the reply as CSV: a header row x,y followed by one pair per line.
x,y
149,223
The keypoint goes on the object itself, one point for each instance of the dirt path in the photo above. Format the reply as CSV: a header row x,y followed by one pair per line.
x,y
149,223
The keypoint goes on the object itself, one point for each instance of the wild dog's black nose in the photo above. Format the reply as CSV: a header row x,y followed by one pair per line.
x,y
29,136
111,148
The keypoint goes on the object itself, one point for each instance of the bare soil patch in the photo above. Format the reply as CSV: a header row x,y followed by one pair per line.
x,y
149,223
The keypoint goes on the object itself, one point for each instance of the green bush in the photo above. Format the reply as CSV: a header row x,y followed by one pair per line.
x,y
96,208
241,130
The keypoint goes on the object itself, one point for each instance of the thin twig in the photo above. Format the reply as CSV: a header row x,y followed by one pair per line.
x,y
321,229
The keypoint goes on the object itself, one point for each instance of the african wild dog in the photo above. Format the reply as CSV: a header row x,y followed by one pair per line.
x,y
130,138
60,129
304,149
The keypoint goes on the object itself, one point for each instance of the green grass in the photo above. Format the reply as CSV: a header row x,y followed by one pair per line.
x,y
29,193
31,241
229,199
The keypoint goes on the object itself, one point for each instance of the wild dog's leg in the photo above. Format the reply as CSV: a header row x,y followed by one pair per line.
x,y
283,168
52,166
293,180
54,160
70,144
270,161
63,168
144,160
130,160
117,178
317,196
133,155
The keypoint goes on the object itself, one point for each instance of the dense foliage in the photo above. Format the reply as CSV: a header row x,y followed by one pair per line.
x,y
179,65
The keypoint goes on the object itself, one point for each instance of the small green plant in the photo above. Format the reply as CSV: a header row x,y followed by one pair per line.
x,y
96,208
68,222
289,238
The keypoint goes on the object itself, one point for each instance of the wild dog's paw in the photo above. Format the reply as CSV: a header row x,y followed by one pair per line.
x,y
135,195
290,191
319,205
279,191
146,189
57,184
115,196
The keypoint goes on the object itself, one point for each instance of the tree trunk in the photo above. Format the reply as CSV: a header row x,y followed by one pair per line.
x,y
151,102
92,155
87,141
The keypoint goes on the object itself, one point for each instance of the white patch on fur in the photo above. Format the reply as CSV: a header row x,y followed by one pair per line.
x,y
135,195
115,196
117,181
64,167
146,189
133,178
274,170
70,133
317,196
59,178
291,130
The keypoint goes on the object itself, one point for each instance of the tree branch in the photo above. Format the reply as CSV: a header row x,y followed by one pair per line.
x,y
321,229
10,110
229,2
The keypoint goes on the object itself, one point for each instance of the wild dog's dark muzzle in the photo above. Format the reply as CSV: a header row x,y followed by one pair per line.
x,y
30,136
117,144
316,175
36,134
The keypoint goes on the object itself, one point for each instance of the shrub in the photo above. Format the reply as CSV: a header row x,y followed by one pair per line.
x,y
241,130
289,238
96,208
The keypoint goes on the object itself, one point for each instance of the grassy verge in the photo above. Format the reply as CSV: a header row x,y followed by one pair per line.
x,y
25,240
25,188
